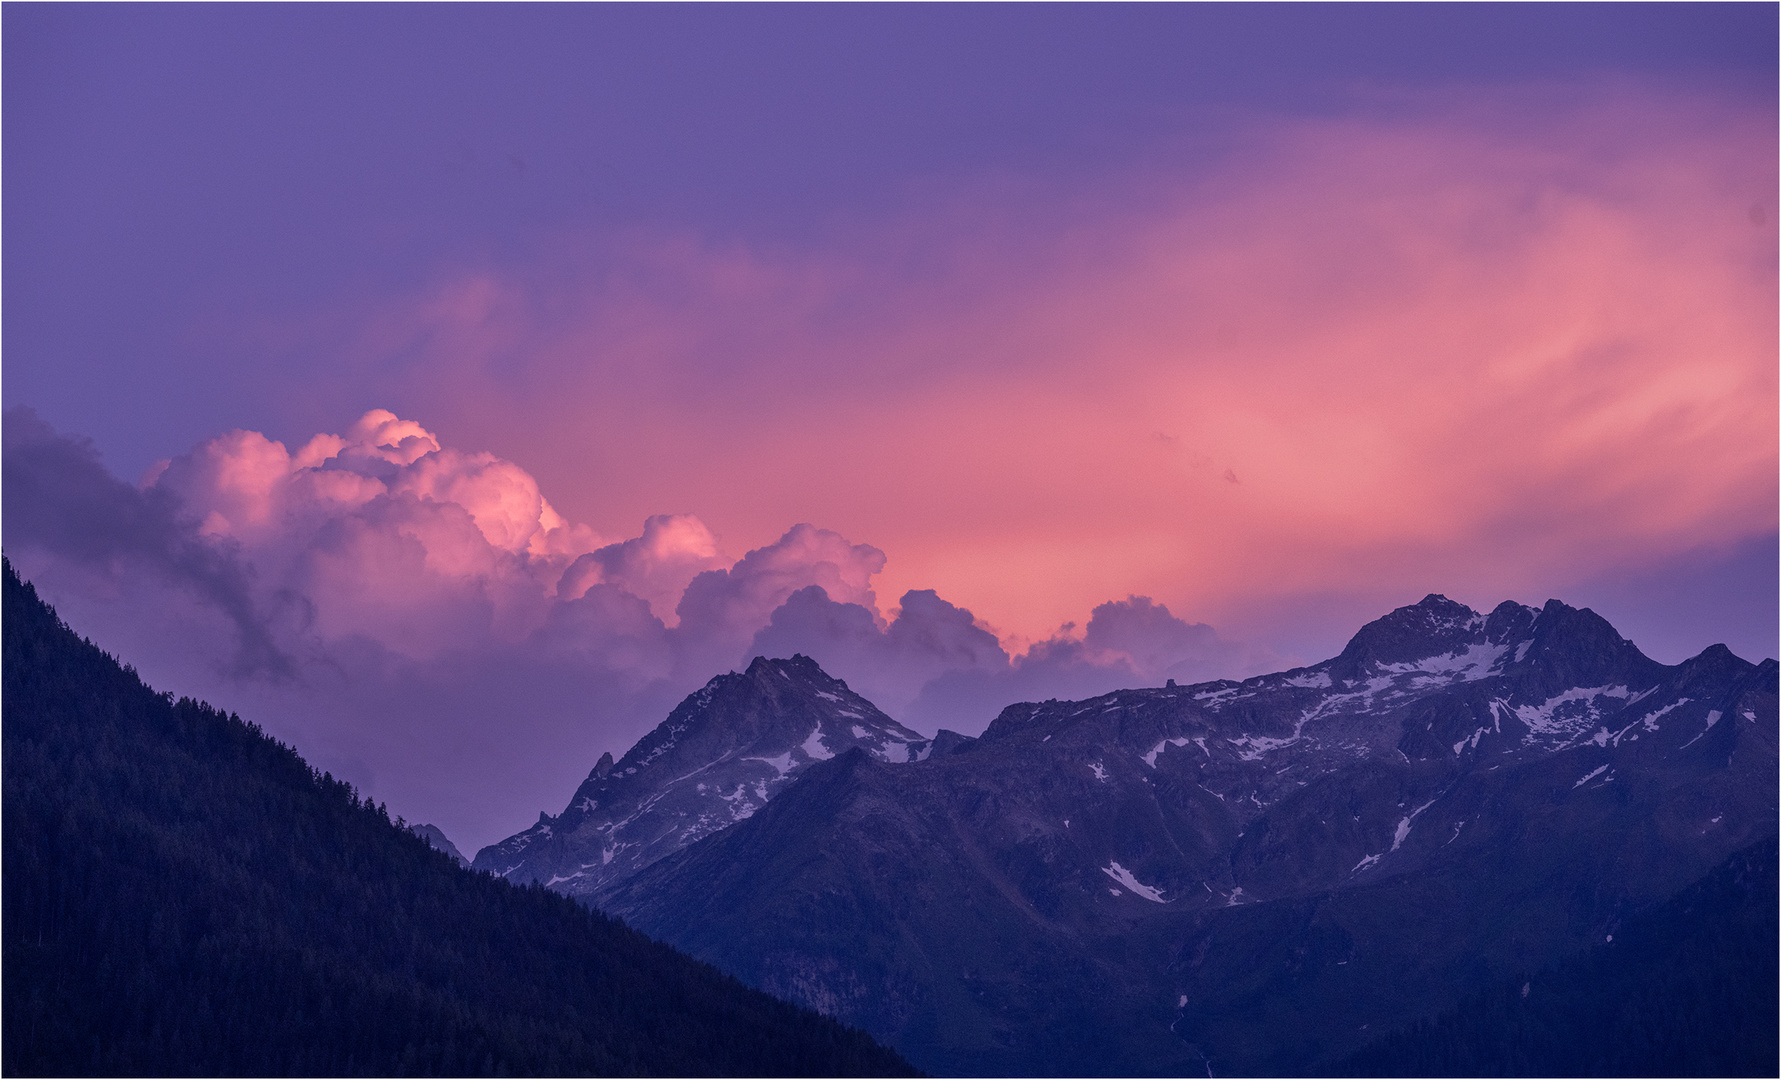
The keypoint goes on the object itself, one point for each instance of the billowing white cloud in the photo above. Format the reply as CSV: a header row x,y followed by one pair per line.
x,y
657,566
386,534
391,537
420,620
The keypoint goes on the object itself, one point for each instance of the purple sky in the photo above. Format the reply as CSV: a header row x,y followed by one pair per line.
x,y
1276,316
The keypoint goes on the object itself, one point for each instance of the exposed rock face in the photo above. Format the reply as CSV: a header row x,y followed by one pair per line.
x,y
1252,877
720,755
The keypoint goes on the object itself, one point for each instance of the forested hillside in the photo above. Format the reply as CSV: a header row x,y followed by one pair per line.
x,y
184,895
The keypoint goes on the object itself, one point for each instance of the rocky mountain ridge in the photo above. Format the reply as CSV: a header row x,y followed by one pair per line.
x,y
721,754
1250,877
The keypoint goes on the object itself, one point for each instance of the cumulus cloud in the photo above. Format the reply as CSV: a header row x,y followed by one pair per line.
x,y
367,571
721,609
888,663
657,566
935,666
384,533
1142,635
420,620
1130,642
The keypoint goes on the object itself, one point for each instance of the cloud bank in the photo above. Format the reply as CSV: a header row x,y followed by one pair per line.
x,y
422,621
1487,342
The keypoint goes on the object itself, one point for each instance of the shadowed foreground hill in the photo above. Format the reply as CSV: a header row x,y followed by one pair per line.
x,y
184,895
1686,990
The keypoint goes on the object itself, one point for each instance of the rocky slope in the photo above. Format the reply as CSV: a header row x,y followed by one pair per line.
x,y
1240,877
720,755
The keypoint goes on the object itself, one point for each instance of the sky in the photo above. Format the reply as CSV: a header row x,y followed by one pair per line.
x,y
452,389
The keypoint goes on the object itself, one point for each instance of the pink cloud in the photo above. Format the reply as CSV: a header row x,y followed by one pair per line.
x,y
1498,342
721,609
386,534
418,617
657,566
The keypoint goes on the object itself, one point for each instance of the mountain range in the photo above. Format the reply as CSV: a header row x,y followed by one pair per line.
x,y
1266,876
1471,844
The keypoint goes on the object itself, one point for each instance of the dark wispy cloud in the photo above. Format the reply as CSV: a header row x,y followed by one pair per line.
x,y
59,497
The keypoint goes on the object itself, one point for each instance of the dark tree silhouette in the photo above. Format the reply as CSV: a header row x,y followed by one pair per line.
x,y
184,895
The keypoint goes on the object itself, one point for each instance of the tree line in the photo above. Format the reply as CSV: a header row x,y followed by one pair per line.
x,y
185,895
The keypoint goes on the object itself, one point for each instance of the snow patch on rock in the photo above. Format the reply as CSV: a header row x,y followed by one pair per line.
x,y
1124,877
814,749
1150,755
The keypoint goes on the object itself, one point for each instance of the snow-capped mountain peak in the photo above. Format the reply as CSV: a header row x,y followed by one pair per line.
x,y
717,758
1212,872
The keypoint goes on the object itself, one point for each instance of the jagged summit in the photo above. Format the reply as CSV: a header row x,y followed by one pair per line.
x,y
1429,681
1434,626
1240,877
1530,655
1441,636
721,754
